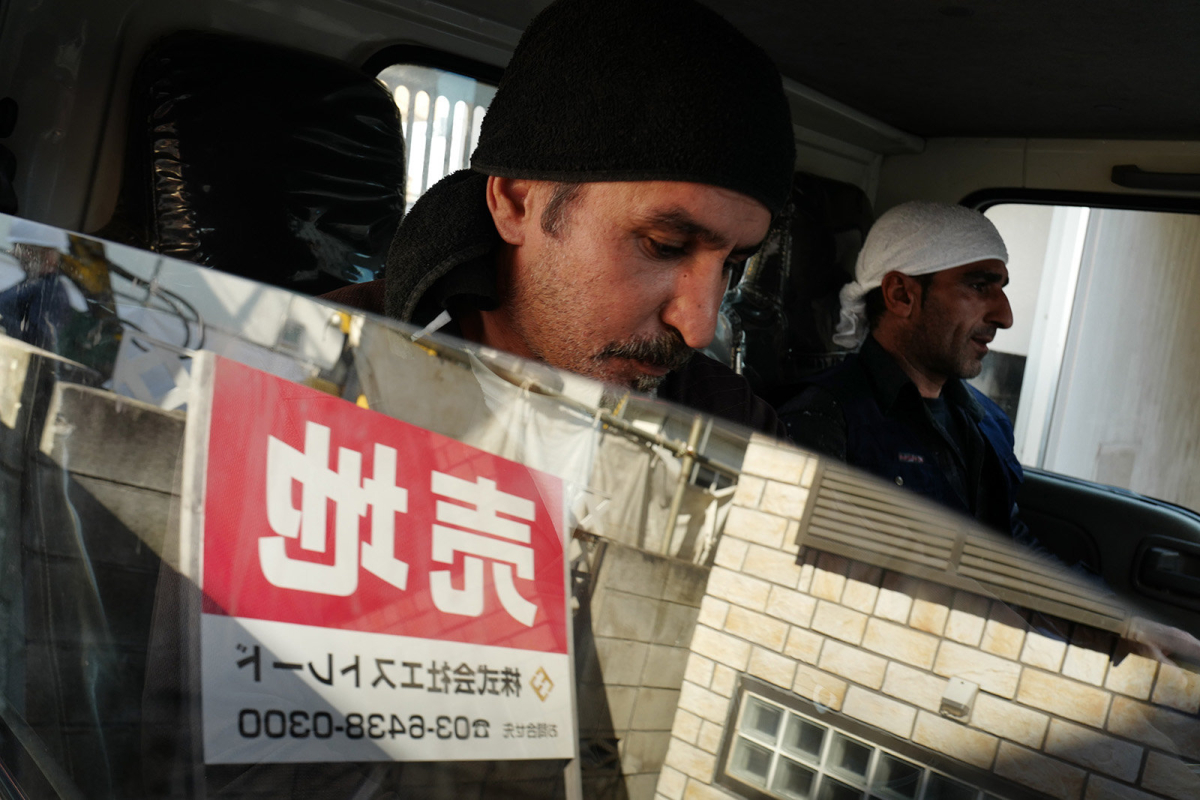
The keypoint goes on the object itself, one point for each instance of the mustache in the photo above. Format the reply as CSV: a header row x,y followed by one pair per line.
x,y
667,350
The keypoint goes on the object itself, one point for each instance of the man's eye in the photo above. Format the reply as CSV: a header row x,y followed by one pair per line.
x,y
665,251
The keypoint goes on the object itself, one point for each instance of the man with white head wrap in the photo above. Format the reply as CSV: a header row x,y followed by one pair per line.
x,y
927,300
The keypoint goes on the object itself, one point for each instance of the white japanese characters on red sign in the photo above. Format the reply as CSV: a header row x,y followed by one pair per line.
x,y
372,590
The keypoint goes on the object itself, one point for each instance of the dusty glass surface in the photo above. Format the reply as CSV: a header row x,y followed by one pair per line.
x,y
256,545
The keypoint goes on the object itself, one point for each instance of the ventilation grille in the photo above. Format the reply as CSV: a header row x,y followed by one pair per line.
x,y
859,517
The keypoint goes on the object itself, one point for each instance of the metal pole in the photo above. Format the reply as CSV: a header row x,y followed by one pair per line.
x,y
685,475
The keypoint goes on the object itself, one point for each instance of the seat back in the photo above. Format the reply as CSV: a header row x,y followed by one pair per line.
x,y
787,305
262,161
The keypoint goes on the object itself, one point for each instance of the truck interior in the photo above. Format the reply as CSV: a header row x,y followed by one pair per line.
x,y
283,141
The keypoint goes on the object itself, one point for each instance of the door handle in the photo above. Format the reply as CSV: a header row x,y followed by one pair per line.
x,y
1165,568
1132,176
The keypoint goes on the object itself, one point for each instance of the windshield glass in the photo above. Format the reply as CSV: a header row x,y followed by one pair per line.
x,y
258,545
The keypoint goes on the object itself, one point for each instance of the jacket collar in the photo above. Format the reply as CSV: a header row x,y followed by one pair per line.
x,y
891,384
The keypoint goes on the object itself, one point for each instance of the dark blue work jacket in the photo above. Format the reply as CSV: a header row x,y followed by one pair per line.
x,y
867,412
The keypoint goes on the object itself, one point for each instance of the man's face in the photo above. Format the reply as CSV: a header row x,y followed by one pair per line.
x,y
631,281
957,317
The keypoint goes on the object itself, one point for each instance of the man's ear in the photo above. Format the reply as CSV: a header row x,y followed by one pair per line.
x,y
508,200
900,294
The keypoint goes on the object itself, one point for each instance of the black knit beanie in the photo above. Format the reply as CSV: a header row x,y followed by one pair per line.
x,y
629,90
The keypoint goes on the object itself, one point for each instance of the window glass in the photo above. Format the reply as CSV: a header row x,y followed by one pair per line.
x,y
1099,369
441,113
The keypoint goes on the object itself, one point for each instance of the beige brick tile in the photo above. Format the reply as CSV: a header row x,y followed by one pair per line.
x,y
741,590
772,667
850,662
829,578
721,647
1088,655
710,737
1004,632
862,587
712,612
790,545
1177,688
1169,776
749,491
1096,751
1049,775
786,501
703,703
1101,788
955,739
723,681
794,607
810,472
1009,720
896,597
914,686
755,526
820,687
767,460
690,760
1158,727
839,622
992,673
758,628
882,712
699,669
686,726
1132,671
1063,697
703,791
772,565
808,566
671,783
1045,643
931,607
803,645
967,618
731,553
900,643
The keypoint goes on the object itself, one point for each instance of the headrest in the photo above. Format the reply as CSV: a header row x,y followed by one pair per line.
x,y
263,161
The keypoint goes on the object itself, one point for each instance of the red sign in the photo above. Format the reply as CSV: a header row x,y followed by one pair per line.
x,y
321,513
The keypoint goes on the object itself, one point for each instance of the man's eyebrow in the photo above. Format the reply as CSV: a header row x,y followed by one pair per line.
x,y
987,276
680,222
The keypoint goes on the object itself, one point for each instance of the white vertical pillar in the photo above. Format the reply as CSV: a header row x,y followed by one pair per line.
x,y
1056,298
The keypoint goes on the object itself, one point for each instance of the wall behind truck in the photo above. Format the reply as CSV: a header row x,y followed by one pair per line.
x,y
1064,709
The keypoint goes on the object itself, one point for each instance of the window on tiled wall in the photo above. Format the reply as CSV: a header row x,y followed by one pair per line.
x,y
790,755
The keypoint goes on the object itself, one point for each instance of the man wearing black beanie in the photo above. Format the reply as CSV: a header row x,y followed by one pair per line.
x,y
631,161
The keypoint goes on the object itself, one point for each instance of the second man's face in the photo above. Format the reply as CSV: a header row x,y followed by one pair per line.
x,y
631,281
958,317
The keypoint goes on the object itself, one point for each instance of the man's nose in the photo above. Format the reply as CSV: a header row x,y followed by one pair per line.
x,y
696,298
1001,312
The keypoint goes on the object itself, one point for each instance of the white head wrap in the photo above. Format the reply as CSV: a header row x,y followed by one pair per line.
x,y
915,238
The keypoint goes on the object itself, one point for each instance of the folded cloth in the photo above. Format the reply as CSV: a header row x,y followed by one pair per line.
x,y
916,238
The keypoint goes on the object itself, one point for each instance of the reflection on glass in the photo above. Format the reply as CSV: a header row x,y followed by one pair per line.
x,y
896,779
804,738
848,757
836,790
793,780
762,719
939,787
750,762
